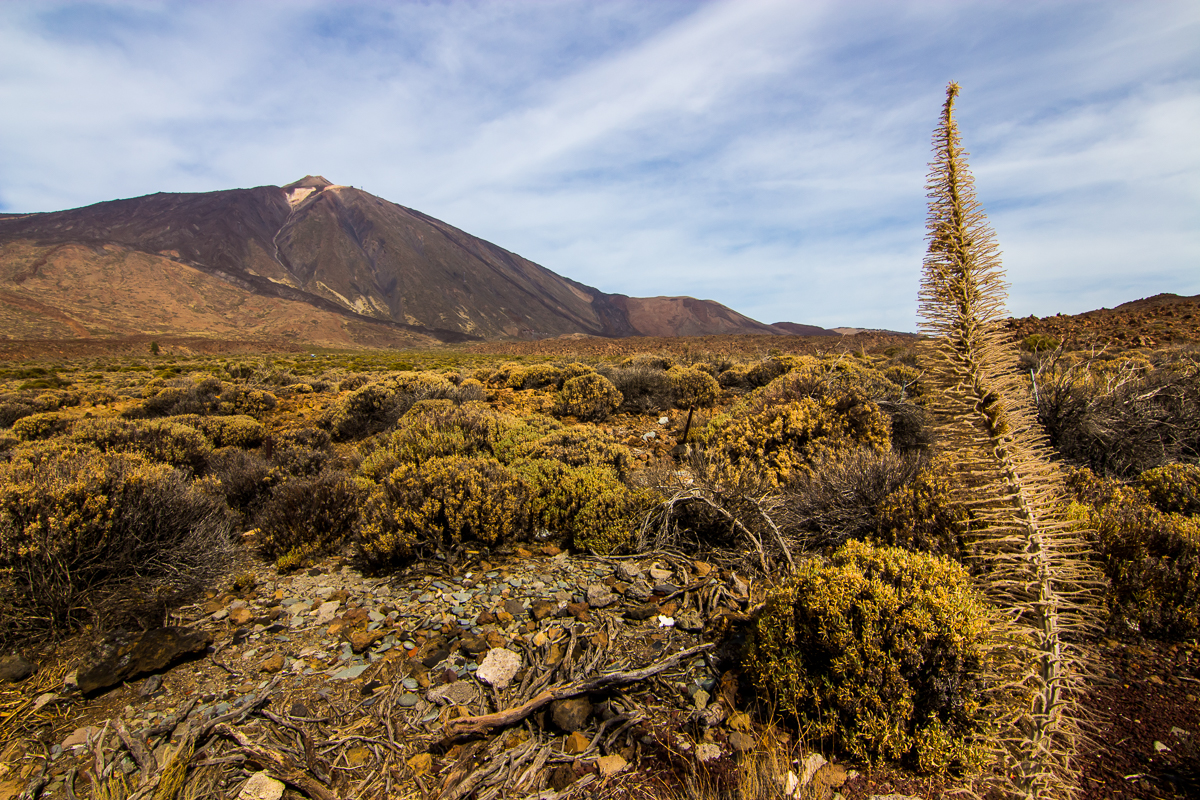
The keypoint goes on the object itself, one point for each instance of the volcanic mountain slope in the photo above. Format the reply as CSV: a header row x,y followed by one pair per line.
x,y
333,248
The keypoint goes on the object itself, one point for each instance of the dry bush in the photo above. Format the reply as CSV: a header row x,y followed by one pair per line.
x,y
307,517
644,386
238,430
375,407
880,652
842,496
94,537
1123,416
243,479
921,514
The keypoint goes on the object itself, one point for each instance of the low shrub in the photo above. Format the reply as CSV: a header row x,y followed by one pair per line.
x,y
243,479
91,537
438,504
590,398
1173,488
1151,558
643,386
692,388
921,516
40,426
160,440
238,430
586,507
307,517
434,429
878,651
781,441
844,495
579,446
244,400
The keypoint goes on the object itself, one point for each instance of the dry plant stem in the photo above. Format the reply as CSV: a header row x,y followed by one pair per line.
x,y
475,725
1030,561
275,764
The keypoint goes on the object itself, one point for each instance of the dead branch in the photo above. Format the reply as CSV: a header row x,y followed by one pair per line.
x,y
475,725
275,764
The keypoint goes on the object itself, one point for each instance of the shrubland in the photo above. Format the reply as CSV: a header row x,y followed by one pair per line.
x,y
125,483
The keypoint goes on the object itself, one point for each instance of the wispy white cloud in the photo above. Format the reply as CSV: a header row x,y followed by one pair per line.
x,y
764,153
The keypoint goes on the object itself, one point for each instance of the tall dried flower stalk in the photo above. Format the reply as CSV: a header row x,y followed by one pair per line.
x,y
1032,565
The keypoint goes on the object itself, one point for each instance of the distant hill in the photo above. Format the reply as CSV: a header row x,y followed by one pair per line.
x,y
310,261
1164,319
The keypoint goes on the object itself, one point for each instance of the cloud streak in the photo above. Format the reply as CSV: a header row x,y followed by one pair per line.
x,y
767,154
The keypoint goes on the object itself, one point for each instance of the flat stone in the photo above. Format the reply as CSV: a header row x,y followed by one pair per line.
x,y
543,608
700,699
240,616
600,595
642,612
327,611
273,664
639,591
349,673
127,656
514,607
498,667
408,700
611,764
261,786
628,571
659,574
579,611
15,668
79,737
742,742
458,693
571,714
812,763
576,743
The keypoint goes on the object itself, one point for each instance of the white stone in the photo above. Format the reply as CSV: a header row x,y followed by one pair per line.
x,y
498,667
812,763
261,786
708,751
666,622
663,420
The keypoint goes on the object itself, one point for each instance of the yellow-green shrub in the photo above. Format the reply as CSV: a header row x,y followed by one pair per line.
x,y
307,517
879,652
1173,488
238,430
590,397
693,388
40,426
440,503
434,429
578,446
921,516
242,400
86,535
832,376
778,442
587,507
160,440
1151,559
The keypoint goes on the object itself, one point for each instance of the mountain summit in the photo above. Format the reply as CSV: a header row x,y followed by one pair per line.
x,y
347,252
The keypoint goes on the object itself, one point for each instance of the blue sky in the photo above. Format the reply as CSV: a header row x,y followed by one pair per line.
x,y
767,154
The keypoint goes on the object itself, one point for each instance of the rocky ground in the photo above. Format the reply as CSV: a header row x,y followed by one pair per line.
x,y
357,681
353,686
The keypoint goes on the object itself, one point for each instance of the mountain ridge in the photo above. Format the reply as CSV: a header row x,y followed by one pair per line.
x,y
346,252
